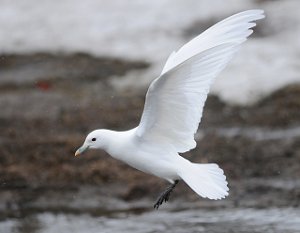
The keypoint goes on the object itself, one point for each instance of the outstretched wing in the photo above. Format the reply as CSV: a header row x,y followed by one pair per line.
x,y
175,100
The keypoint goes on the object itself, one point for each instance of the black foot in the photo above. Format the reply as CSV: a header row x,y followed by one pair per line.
x,y
165,195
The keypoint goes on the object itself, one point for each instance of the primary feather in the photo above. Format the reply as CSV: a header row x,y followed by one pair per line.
x,y
175,100
235,29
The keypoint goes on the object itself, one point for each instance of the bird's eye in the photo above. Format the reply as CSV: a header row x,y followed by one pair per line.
x,y
93,139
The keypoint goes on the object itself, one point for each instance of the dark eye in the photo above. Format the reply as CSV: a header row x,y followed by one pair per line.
x,y
93,139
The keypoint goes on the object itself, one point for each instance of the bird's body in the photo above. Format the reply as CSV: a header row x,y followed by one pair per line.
x,y
173,110
151,159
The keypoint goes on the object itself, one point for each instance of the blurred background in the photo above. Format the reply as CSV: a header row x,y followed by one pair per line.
x,y
68,67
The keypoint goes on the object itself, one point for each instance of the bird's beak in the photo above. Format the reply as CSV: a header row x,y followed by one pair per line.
x,y
81,150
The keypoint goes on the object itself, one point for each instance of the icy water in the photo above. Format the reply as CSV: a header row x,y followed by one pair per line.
x,y
242,220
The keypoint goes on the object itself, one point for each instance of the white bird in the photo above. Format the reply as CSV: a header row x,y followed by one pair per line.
x,y
173,110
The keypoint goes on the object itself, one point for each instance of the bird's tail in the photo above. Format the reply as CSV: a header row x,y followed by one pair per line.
x,y
207,180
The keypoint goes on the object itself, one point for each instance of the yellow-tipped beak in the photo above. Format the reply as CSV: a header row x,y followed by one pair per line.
x,y
77,153
81,150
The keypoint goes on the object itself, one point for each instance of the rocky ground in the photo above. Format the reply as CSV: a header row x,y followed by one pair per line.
x,y
49,102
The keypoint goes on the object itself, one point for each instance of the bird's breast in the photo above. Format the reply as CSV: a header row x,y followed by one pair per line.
x,y
146,159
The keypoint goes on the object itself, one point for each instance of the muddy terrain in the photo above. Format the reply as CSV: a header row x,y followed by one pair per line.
x,y
49,102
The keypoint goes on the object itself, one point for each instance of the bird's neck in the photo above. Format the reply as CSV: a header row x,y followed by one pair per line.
x,y
107,138
112,140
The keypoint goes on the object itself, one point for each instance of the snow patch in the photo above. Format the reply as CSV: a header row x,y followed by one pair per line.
x,y
151,30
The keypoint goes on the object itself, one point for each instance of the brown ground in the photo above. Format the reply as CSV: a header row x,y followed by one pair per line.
x,y
50,102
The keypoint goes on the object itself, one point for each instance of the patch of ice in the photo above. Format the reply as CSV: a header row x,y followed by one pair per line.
x,y
192,220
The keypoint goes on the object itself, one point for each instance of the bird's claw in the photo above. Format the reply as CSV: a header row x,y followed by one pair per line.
x,y
164,196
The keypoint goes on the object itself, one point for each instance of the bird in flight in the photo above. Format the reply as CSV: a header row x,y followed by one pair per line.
x,y
173,110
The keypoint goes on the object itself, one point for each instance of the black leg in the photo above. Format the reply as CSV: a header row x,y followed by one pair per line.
x,y
165,195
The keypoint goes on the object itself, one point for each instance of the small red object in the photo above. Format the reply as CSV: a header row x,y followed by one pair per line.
x,y
43,85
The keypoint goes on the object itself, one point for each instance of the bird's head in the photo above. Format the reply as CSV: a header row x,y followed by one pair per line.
x,y
94,140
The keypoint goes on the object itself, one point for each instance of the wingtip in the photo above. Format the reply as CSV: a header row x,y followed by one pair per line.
x,y
259,12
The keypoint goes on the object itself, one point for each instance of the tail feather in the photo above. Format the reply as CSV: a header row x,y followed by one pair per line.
x,y
207,180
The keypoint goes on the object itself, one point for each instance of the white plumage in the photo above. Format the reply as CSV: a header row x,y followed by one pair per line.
x,y
173,110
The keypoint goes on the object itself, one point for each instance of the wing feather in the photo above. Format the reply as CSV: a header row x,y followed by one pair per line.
x,y
233,29
175,101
